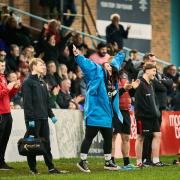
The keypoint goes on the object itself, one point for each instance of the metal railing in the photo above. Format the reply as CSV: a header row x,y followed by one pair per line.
x,y
92,37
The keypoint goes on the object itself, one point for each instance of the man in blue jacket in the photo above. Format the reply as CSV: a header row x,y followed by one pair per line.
x,y
102,102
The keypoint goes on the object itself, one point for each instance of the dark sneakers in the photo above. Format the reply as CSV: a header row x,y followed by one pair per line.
x,y
109,165
5,167
54,171
148,163
51,171
160,164
82,165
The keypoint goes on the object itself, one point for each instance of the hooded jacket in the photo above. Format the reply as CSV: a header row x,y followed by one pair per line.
x,y
98,109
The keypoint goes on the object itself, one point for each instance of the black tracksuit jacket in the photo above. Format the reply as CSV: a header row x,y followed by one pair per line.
x,y
145,103
36,99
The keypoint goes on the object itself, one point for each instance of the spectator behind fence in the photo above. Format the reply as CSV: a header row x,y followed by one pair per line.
x,y
175,102
64,58
78,88
101,56
52,90
130,65
112,48
27,54
2,55
134,56
172,73
16,33
75,87
24,71
12,59
115,32
77,40
50,50
51,77
4,19
64,96
54,28
17,99
148,58
62,72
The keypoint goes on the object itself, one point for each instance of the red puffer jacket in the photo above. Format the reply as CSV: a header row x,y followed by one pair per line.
x,y
125,99
5,95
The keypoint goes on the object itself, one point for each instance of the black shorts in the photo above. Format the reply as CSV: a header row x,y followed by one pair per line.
x,y
147,126
118,127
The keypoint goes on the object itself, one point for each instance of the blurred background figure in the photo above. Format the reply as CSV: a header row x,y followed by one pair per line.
x,y
100,56
115,32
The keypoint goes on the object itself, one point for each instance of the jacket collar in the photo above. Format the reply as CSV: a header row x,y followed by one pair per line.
x,y
34,76
146,81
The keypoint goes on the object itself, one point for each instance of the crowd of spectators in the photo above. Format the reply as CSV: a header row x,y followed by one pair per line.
x,y
64,78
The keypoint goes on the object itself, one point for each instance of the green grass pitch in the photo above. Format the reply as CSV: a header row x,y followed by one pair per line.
x,y
97,172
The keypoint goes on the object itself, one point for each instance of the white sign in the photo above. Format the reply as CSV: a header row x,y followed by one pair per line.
x,y
137,31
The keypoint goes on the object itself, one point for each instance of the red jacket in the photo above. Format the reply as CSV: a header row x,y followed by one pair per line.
x,y
125,99
5,95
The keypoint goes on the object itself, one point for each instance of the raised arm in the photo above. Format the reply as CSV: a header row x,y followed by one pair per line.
x,y
88,67
118,60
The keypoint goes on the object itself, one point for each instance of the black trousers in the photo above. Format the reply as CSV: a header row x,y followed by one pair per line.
x,y
147,145
41,130
5,131
91,132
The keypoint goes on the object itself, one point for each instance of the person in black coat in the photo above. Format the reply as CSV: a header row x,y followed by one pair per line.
x,y
16,33
115,32
50,50
175,102
161,85
132,65
147,114
36,111
51,78
12,60
64,97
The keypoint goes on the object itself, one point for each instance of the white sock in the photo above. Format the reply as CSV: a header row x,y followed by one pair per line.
x,y
107,157
83,156
138,161
155,159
